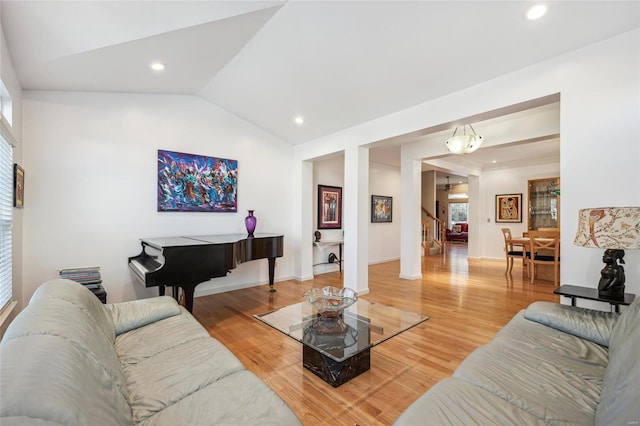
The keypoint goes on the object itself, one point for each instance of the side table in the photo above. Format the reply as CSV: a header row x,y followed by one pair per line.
x,y
324,244
99,291
576,292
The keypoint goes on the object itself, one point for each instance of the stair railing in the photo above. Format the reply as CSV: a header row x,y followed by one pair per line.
x,y
438,236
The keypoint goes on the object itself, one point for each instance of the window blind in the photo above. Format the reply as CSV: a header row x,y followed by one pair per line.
x,y
6,211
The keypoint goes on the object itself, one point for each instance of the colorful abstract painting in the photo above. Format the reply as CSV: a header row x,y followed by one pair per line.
x,y
381,208
196,183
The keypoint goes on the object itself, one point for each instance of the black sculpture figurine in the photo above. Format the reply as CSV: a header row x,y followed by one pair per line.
x,y
318,235
612,275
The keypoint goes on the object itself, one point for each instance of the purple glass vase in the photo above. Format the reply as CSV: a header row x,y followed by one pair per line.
x,y
250,223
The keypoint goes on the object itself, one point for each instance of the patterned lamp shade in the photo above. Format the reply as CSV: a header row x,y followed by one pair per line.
x,y
615,228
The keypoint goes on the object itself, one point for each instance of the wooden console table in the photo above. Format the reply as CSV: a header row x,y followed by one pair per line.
x,y
575,292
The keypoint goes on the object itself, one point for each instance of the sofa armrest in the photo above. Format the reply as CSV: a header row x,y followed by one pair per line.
x,y
585,323
138,313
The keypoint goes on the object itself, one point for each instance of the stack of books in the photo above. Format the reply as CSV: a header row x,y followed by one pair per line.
x,y
89,276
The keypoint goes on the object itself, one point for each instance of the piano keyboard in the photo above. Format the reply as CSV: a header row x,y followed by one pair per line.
x,y
144,265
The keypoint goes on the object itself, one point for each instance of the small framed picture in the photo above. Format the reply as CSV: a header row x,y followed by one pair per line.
x,y
18,186
381,208
329,207
509,208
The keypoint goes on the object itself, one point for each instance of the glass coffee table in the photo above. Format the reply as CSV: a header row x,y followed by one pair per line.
x,y
338,349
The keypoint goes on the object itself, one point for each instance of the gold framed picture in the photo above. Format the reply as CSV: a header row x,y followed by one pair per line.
x,y
18,186
509,208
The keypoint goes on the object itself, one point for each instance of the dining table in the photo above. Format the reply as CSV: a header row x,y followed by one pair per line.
x,y
545,272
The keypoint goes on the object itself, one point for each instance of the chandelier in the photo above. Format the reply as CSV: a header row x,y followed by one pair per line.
x,y
464,143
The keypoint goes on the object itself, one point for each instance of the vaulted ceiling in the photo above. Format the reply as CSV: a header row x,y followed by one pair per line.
x,y
334,63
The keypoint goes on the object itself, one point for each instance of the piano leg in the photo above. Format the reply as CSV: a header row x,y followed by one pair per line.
x,y
272,270
188,298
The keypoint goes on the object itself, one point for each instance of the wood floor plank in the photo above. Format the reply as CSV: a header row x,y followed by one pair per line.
x,y
468,301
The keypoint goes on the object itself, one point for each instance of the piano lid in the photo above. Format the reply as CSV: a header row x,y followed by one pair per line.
x,y
161,243
230,238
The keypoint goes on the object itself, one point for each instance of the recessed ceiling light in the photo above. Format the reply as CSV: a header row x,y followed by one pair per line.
x,y
494,161
158,66
299,120
536,12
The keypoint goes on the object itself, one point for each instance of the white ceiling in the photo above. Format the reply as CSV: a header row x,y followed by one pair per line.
x,y
336,63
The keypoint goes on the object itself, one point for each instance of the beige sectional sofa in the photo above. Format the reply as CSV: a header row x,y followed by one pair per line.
x,y
68,359
552,364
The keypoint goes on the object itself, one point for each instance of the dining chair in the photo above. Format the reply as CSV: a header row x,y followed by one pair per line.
x,y
510,250
544,249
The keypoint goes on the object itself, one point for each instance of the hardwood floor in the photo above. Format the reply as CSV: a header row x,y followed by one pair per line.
x,y
467,301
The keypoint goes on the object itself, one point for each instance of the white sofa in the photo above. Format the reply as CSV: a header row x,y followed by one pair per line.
x,y
552,364
68,359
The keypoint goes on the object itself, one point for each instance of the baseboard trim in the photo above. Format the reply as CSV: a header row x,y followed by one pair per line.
x,y
375,262
411,277
237,286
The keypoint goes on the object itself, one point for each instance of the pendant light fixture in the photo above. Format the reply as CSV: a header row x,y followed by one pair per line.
x,y
464,143
447,187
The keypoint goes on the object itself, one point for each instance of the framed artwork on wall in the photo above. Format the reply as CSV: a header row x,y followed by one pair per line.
x,y
18,186
381,208
329,207
196,183
509,208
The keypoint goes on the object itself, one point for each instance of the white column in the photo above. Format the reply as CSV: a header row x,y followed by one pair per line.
x,y
474,218
355,202
303,267
410,226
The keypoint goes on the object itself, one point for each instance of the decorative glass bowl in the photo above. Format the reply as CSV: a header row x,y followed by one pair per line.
x,y
330,301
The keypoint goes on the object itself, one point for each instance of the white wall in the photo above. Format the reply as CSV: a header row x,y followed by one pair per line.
x,y
508,181
91,192
328,172
384,238
429,193
10,80
84,152
599,105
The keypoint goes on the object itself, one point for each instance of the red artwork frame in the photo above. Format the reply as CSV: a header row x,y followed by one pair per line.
x,y
329,207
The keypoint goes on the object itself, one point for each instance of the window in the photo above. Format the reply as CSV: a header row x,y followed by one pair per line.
x,y
6,105
458,196
6,206
457,213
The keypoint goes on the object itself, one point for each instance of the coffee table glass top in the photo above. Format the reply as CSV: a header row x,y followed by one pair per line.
x,y
361,326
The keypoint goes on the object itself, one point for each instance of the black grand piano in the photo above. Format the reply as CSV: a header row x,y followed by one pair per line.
x,y
186,262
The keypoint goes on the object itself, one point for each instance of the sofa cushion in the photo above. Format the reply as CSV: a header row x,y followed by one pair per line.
x,y
50,317
83,298
588,324
167,361
454,401
138,313
619,398
57,368
552,387
533,336
240,398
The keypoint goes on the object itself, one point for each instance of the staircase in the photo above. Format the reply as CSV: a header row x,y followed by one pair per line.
x,y
433,240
